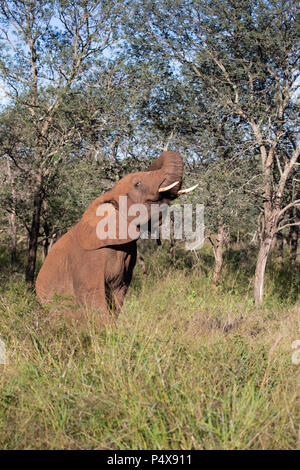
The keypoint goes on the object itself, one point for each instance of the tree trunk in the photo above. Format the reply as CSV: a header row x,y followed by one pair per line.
x,y
46,240
279,245
33,238
12,217
260,270
218,253
294,235
267,231
13,235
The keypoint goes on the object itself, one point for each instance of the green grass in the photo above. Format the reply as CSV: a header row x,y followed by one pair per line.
x,y
184,368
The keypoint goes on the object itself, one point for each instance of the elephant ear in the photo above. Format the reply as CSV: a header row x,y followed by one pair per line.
x,y
103,224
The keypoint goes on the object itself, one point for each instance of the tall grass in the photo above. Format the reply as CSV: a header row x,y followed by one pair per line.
x,y
185,368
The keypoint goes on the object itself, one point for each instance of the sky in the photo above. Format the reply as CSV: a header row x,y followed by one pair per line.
x,y
3,97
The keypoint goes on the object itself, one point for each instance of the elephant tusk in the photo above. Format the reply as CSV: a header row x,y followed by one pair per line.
x,y
188,190
166,188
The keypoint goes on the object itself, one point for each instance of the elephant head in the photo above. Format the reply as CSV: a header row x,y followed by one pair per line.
x,y
160,183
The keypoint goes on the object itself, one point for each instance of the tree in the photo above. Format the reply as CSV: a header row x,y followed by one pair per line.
x,y
46,53
294,217
243,57
12,215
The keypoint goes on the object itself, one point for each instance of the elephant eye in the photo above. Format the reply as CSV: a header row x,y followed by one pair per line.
x,y
138,184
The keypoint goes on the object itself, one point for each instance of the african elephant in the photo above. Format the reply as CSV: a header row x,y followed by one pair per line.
x,y
97,271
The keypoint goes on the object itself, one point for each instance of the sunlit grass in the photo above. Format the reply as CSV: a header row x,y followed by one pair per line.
x,y
184,368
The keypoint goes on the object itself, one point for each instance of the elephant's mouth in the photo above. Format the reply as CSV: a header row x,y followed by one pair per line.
x,y
153,201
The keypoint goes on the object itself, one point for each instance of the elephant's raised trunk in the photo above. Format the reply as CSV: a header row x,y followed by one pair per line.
x,y
170,165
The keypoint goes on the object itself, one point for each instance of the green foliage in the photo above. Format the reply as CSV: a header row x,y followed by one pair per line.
x,y
222,82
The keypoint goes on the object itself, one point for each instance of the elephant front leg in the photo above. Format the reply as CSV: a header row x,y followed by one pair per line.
x,y
94,302
118,298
